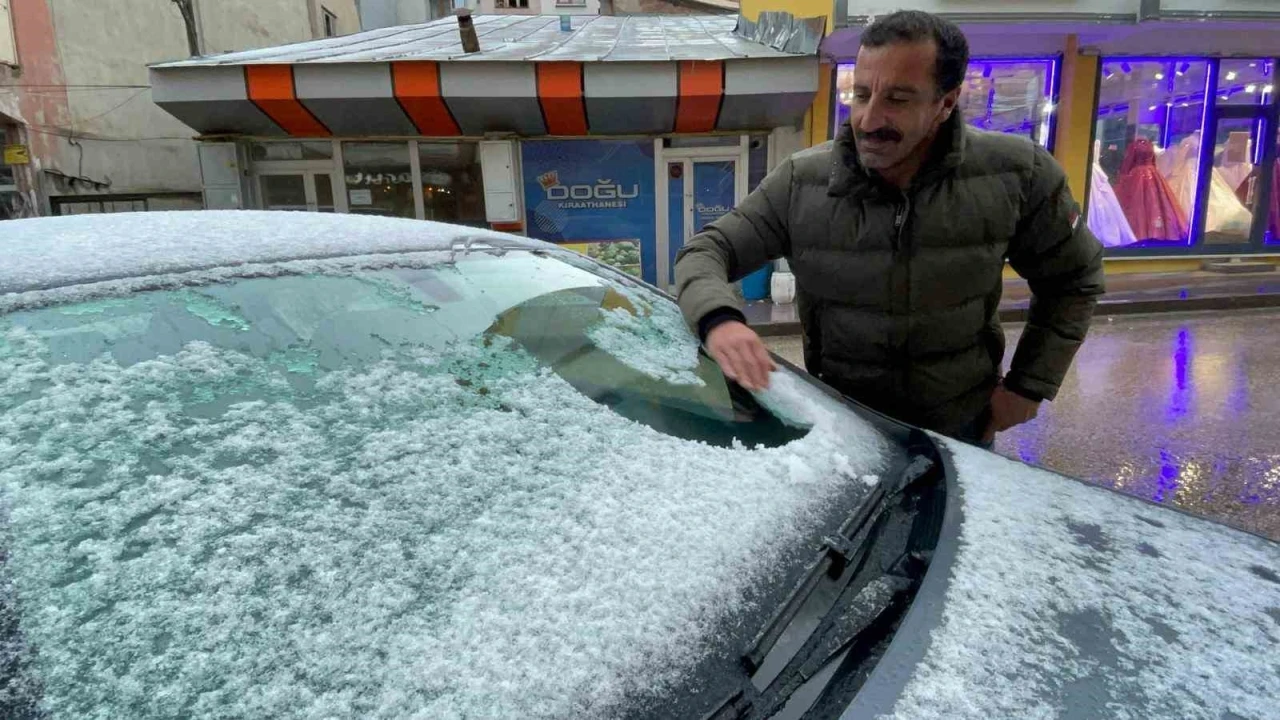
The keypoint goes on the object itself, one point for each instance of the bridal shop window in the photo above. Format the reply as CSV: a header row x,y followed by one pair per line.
x,y
1145,167
1001,94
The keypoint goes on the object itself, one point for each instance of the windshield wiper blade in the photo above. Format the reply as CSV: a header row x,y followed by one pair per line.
x,y
840,560
837,554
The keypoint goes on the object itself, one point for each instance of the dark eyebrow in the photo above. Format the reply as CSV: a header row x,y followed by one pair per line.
x,y
900,89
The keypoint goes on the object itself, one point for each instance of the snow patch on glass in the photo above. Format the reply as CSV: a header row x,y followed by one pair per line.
x,y
650,337
1062,595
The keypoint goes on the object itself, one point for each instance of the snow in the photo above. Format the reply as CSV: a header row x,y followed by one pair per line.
x,y
1070,600
650,337
54,251
233,501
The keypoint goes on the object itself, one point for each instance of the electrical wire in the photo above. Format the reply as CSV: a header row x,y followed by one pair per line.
x,y
54,86
59,132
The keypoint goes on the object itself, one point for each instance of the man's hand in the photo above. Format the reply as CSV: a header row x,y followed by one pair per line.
x,y
1008,409
741,354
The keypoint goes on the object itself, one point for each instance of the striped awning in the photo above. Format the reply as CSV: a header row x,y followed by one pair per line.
x,y
605,76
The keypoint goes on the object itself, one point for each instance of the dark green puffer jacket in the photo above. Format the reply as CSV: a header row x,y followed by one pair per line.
x,y
898,291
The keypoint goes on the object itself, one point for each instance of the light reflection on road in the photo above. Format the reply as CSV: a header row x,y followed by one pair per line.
x,y
1179,409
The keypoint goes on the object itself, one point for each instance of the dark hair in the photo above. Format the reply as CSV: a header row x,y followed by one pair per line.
x,y
912,26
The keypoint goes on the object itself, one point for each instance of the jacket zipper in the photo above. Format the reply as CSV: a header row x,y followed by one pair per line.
x,y
900,220
900,226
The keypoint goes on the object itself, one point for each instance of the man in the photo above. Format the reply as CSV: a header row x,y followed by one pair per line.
x,y
897,234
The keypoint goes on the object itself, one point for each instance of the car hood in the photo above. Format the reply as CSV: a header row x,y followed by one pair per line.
x,y
1048,597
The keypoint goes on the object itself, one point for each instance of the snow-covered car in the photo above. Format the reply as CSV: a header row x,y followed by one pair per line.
x,y
291,465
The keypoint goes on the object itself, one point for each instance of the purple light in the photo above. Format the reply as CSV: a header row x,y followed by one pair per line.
x,y
1255,138
1204,137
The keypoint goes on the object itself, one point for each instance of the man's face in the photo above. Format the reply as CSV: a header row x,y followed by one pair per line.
x,y
896,105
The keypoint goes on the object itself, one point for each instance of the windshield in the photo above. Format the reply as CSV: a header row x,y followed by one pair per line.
x,y
394,492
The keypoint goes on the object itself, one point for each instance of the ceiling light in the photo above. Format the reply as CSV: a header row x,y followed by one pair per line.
x,y
1251,88
1231,75
1268,88
1159,76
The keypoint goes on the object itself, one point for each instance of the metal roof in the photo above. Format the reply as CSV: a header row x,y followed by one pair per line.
x,y
528,38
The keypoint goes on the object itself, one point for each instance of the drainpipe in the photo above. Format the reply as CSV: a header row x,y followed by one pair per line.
x,y
467,29
189,19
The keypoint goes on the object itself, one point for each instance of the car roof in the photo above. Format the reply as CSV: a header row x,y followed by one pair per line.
x,y
52,252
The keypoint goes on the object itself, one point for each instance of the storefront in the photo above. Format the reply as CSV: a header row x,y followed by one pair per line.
x,y
1123,93
619,137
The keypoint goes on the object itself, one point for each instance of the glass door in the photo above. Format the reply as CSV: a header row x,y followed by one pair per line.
x,y
300,191
1235,194
699,191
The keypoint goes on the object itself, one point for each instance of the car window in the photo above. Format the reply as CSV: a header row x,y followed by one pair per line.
x,y
354,492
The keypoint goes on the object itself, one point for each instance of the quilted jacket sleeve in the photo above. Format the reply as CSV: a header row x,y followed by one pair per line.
x,y
1062,262
734,246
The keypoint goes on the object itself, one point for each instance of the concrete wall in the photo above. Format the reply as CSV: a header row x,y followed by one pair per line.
x,y
387,13
540,7
91,124
228,25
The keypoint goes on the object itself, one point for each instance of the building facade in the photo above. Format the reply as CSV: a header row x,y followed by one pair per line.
x,y
1164,113
80,131
375,14
618,137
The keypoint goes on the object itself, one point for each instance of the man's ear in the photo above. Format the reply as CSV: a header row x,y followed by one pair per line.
x,y
949,102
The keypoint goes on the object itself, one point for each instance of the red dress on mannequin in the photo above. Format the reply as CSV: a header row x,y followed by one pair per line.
x,y
1149,203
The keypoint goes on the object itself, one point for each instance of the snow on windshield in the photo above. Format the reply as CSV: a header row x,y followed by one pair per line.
x,y
227,528
650,337
1072,601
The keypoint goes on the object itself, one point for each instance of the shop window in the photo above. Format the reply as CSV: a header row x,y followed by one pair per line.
x,y
1146,153
1002,95
269,151
379,178
452,183
8,48
1246,82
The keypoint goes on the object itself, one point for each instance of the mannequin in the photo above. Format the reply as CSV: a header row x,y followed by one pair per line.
x,y
1226,214
1106,217
1148,202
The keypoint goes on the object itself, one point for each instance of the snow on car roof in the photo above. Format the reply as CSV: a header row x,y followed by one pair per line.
x,y
1071,601
41,253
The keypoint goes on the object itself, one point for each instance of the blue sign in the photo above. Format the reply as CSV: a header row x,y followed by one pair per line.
x,y
596,197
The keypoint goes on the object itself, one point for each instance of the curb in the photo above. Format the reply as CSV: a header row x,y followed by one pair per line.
x,y
1106,308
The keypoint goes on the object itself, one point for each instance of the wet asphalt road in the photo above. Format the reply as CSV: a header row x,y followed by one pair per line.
x,y
1180,409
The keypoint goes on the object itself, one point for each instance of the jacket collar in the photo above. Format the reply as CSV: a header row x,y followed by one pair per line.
x,y
848,175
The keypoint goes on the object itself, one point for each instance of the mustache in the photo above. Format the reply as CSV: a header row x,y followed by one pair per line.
x,y
883,135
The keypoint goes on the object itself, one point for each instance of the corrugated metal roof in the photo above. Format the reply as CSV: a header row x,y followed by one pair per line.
x,y
537,38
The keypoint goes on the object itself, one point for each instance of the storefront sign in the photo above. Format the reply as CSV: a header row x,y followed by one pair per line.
x,y
597,196
360,197
16,155
388,178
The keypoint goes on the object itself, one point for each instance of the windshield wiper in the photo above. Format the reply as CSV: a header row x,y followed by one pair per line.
x,y
806,633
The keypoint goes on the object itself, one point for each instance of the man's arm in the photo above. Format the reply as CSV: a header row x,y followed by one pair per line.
x,y
732,247
1062,262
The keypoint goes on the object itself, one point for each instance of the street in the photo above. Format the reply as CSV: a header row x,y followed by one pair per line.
x,y
1178,409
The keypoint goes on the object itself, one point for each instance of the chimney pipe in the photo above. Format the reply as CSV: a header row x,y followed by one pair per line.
x,y
470,43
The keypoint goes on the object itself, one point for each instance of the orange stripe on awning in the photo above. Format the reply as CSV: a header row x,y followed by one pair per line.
x,y
560,94
271,89
701,89
416,84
